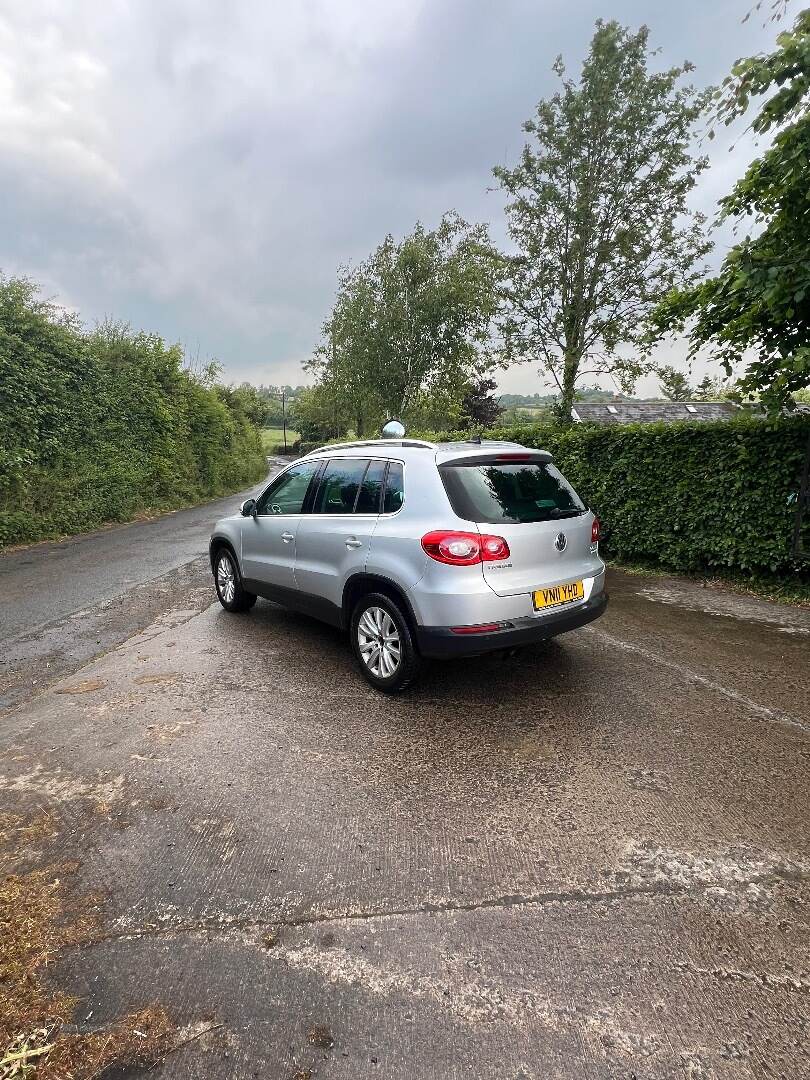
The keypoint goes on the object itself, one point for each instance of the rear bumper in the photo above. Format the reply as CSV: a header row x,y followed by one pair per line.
x,y
440,641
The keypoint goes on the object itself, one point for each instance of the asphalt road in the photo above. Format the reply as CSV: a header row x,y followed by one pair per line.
x,y
589,862
63,602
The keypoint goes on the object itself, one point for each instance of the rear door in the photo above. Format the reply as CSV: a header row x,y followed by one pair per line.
x,y
333,541
527,501
268,539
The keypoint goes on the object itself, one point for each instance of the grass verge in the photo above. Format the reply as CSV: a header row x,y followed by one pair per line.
x,y
39,1039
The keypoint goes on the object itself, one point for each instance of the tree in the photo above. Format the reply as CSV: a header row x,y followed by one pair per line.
x,y
599,214
478,404
709,389
760,299
595,393
674,384
278,399
318,414
252,403
413,321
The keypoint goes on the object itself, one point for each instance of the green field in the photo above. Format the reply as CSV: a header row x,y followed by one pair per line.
x,y
274,436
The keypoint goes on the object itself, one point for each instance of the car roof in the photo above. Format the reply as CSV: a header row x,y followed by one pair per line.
x,y
405,449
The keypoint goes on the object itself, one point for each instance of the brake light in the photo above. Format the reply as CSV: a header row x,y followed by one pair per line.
x,y
494,548
513,457
463,548
595,531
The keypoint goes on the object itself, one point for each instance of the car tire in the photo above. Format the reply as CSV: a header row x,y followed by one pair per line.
x,y
228,583
381,636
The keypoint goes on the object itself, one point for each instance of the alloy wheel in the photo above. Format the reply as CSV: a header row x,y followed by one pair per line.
x,y
226,579
379,642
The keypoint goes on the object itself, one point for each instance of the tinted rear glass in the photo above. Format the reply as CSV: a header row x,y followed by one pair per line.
x,y
514,492
368,501
394,488
339,485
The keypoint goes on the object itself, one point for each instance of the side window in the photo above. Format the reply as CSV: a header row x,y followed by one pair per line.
x,y
368,501
340,485
394,488
287,494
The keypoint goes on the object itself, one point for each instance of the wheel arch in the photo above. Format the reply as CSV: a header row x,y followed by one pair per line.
x,y
358,585
216,544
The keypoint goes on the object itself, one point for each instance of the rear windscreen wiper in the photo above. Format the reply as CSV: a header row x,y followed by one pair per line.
x,y
557,513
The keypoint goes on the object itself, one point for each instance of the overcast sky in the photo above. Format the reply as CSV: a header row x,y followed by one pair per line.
x,y
201,168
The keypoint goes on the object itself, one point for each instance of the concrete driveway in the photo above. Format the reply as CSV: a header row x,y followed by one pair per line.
x,y
592,861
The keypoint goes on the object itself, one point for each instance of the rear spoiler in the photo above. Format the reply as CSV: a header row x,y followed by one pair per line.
x,y
500,457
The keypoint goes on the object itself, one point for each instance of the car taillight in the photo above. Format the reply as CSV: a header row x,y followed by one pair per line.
x,y
463,548
494,548
595,531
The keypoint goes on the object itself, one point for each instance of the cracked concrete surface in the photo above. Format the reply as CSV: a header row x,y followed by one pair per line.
x,y
592,861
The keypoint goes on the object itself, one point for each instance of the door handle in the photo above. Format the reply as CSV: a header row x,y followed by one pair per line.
x,y
353,542
287,537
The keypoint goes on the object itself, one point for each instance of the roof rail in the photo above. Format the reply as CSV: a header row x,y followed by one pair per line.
x,y
375,442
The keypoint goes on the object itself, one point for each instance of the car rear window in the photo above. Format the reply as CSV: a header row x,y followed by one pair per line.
x,y
511,492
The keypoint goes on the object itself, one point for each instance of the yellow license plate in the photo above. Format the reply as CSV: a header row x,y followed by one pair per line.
x,y
558,594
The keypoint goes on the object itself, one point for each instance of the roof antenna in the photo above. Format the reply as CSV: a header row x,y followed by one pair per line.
x,y
475,439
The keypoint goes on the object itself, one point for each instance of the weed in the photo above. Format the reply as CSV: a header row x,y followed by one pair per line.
x,y
38,920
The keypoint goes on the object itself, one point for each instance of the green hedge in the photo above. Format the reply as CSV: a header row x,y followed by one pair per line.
x,y
303,447
690,496
100,426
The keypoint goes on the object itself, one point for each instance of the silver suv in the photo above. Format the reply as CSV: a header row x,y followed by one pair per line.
x,y
418,549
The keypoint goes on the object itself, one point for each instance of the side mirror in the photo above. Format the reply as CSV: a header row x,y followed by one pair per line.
x,y
248,508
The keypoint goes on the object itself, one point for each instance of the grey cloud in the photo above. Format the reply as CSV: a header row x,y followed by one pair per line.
x,y
203,169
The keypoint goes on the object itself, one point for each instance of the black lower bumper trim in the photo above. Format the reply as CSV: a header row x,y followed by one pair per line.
x,y
440,641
